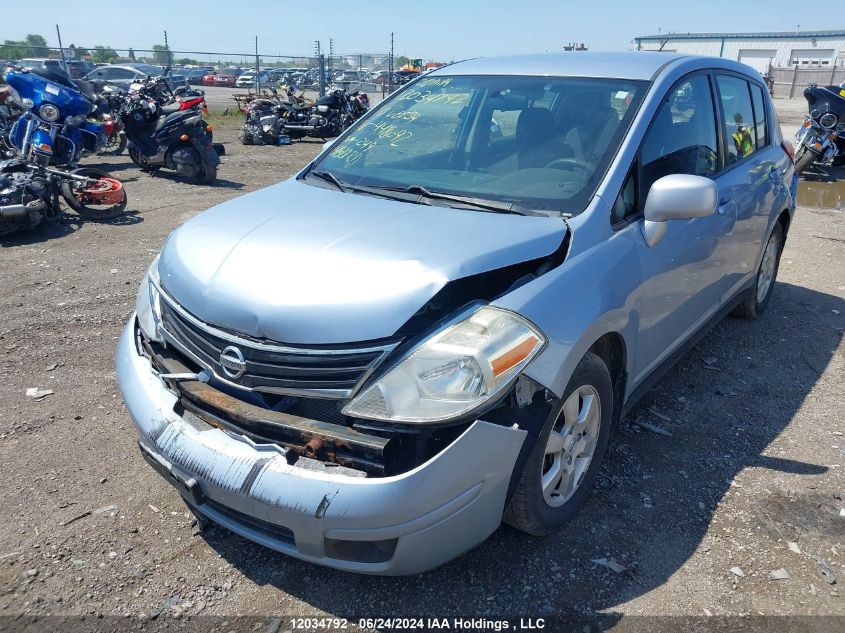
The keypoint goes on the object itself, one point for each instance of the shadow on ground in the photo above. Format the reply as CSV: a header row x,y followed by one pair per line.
x,y
727,400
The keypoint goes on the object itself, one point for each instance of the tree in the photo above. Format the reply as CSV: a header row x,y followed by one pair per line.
x,y
131,54
32,46
400,61
161,54
78,52
38,44
104,55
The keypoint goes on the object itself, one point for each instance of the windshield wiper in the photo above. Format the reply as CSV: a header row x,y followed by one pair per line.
x,y
472,201
329,177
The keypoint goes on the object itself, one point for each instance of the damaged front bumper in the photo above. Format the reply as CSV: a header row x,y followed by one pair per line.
x,y
395,525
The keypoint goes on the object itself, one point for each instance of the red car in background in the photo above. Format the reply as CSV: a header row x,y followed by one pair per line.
x,y
208,79
227,77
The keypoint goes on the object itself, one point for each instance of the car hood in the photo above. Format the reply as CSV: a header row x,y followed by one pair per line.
x,y
302,264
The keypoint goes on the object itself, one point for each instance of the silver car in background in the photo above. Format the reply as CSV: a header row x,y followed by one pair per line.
x,y
433,327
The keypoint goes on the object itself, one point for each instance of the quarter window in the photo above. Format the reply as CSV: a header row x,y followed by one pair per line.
x,y
738,113
760,116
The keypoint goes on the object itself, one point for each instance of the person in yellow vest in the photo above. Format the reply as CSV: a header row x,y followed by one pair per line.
x,y
742,137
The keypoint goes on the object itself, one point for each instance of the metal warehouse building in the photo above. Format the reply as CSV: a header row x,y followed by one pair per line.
x,y
763,51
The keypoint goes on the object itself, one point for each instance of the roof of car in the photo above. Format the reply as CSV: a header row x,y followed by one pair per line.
x,y
624,65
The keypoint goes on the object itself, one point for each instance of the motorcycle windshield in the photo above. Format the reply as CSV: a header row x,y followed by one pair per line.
x,y
39,90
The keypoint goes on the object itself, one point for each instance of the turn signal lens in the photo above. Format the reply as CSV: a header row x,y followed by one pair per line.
x,y
209,129
44,147
184,137
807,124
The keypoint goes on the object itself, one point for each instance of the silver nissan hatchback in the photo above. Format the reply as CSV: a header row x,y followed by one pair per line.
x,y
436,324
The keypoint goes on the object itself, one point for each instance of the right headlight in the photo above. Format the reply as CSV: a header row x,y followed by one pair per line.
x,y
49,112
148,303
454,372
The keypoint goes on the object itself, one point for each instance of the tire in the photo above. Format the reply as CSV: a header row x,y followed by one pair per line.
x,y
115,149
208,174
139,159
538,513
803,159
86,210
756,300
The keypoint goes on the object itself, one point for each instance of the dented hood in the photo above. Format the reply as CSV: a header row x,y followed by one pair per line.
x,y
301,264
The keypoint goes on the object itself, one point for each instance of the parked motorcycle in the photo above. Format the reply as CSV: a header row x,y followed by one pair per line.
x,y
56,126
168,137
29,194
266,116
328,117
821,137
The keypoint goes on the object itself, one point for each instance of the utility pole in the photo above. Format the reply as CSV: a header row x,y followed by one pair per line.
x,y
62,50
169,60
331,54
257,69
390,67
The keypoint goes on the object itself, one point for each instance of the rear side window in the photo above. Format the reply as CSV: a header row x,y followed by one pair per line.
x,y
761,124
741,137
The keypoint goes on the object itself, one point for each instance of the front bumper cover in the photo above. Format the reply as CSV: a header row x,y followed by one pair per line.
x,y
434,512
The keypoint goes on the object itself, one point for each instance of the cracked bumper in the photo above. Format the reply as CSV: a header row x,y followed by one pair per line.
x,y
432,513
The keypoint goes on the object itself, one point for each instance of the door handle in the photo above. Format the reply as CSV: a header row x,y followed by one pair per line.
x,y
723,207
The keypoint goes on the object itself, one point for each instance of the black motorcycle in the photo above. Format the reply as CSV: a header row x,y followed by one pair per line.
x,y
821,137
168,137
328,117
29,194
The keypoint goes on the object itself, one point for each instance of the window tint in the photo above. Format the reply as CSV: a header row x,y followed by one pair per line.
x,y
682,137
760,123
741,139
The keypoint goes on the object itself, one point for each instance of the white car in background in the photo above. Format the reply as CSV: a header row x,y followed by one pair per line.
x,y
248,80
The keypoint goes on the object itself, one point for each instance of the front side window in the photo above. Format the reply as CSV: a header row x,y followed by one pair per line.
x,y
537,142
682,136
738,113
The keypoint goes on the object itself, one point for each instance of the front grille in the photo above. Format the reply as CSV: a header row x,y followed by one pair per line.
x,y
272,367
265,528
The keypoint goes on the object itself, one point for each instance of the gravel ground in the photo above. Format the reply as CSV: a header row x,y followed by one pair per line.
x,y
748,478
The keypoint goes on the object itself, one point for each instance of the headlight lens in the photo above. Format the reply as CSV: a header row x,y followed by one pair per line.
x,y
454,372
828,120
48,112
148,304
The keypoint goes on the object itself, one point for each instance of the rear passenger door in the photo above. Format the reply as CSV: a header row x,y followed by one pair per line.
x,y
749,180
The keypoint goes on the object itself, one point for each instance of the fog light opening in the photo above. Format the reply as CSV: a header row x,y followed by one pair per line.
x,y
361,551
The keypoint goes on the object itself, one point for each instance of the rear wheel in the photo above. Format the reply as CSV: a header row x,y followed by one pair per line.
x,y
115,144
102,200
562,467
758,297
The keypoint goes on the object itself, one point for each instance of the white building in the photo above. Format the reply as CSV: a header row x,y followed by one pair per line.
x,y
806,49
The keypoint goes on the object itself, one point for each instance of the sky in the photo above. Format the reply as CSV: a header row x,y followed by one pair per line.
x,y
442,30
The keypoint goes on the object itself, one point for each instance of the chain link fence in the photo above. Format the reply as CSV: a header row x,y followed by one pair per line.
x,y
372,73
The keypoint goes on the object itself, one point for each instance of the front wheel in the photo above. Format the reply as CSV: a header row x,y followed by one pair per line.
x,y
98,201
207,173
803,159
562,467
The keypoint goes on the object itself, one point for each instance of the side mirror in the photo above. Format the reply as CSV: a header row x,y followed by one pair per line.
x,y
677,197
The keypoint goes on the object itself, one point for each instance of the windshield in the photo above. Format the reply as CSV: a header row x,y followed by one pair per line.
x,y
538,142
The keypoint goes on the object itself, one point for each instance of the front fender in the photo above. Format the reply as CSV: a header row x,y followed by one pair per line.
x,y
203,145
583,299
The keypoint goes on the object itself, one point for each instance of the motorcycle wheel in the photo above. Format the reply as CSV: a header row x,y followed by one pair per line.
x,y
81,200
803,159
114,146
208,174
139,159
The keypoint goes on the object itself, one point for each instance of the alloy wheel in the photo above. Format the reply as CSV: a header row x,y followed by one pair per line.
x,y
767,269
571,446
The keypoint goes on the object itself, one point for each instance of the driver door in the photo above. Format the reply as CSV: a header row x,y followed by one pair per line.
x,y
682,274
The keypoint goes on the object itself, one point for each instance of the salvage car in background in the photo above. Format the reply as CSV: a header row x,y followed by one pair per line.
x,y
432,327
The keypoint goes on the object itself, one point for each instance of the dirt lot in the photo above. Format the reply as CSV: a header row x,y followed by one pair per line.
x,y
748,476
